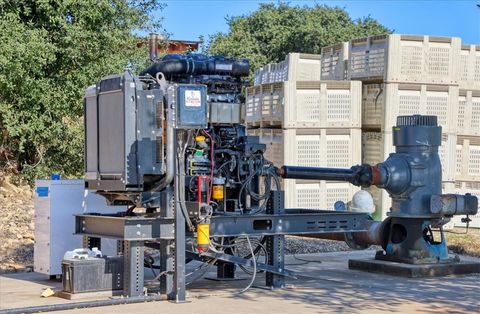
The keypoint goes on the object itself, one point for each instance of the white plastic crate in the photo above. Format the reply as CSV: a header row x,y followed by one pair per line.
x,y
334,62
469,69
297,67
467,159
376,147
257,77
405,58
316,194
373,103
252,104
306,104
461,187
468,121
383,103
338,148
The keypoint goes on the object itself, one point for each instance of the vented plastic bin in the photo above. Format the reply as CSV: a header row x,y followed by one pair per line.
x,y
257,77
295,67
468,159
469,112
305,104
376,147
316,194
469,69
334,62
253,96
383,103
338,148
405,58
461,187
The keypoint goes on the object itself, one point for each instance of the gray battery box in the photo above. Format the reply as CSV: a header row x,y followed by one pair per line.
x,y
92,274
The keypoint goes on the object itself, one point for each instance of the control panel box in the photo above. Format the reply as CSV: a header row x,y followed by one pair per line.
x,y
191,105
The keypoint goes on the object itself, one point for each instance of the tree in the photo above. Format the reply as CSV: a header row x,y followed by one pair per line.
x,y
274,30
50,52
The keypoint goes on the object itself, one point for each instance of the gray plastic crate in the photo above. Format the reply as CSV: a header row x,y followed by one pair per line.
x,y
469,76
295,67
469,112
305,104
382,103
334,62
405,58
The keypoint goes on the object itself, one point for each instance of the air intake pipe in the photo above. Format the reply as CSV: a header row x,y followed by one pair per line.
x,y
178,65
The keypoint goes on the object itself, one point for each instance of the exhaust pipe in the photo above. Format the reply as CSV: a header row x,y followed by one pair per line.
x,y
153,45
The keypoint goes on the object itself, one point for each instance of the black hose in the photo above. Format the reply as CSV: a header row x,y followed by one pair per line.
x,y
198,65
314,173
85,304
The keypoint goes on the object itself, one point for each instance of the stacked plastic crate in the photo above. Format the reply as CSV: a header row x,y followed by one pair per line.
x,y
467,170
403,75
308,122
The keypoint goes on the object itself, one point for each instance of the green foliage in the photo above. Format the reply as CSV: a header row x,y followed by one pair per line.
x,y
50,52
275,30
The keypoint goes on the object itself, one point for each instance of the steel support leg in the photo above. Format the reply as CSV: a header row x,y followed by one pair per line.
x,y
91,242
166,247
276,244
133,272
120,247
179,267
226,270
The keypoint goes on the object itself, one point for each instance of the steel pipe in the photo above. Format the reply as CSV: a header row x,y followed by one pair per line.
x,y
375,235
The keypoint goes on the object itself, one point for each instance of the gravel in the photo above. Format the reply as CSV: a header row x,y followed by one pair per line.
x,y
300,245
16,226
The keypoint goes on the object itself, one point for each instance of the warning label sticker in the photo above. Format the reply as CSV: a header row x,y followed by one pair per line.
x,y
193,98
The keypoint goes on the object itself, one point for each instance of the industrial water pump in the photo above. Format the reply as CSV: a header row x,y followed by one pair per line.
x,y
413,178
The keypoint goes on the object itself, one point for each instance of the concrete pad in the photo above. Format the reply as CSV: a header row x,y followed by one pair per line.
x,y
325,285
414,270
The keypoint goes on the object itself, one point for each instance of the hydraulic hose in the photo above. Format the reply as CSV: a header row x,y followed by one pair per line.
x,y
79,305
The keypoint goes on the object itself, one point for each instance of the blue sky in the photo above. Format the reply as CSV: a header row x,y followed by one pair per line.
x,y
190,19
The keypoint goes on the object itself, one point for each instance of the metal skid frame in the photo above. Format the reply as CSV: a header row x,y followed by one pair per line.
x,y
169,232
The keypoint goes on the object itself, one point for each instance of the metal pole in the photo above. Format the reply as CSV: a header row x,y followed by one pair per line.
x,y
179,277
133,272
166,247
276,244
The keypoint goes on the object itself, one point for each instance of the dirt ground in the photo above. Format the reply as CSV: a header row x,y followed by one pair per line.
x,y
462,242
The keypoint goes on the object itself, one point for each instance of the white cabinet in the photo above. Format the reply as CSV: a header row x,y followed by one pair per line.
x,y
56,202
